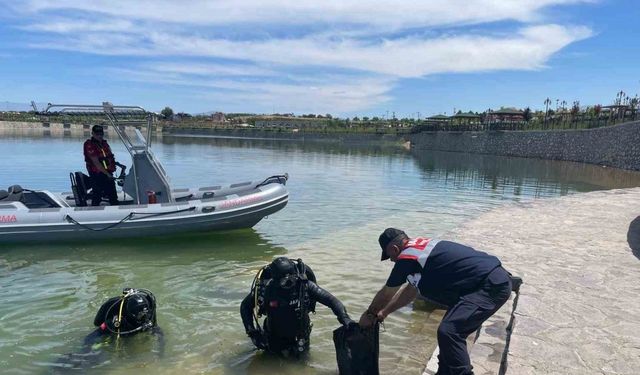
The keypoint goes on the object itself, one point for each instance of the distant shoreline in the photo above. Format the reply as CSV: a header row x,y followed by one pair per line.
x,y
614,146
68,129
253,133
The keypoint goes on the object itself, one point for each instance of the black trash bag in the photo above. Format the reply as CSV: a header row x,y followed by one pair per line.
x,y
357,350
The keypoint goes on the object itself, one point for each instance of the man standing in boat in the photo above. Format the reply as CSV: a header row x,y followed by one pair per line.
x,y
101,164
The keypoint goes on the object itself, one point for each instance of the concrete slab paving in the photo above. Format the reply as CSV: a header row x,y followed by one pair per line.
x,y
579,307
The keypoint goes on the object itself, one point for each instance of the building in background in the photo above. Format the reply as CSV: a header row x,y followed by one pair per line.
x,y
288,122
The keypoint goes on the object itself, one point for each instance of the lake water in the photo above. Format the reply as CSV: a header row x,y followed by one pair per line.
x,y
341,198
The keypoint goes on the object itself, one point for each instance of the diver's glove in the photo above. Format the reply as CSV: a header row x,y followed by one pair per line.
x,y
349,324
257,338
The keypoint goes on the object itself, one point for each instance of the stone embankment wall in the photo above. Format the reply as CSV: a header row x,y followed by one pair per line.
x,y
614,146
53,128
60,129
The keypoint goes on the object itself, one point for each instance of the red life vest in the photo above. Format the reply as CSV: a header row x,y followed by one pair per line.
x,y
101,150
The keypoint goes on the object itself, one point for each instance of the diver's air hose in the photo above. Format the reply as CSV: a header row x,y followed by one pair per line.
x,y
148,295
120,314
255,297
301,268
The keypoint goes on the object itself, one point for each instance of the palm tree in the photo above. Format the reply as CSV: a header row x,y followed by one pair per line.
x,y
547,102
575,110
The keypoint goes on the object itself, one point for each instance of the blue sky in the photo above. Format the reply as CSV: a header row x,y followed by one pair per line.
x,y
344,57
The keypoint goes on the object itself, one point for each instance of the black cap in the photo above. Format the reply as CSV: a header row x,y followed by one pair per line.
x,y
97,129
386,238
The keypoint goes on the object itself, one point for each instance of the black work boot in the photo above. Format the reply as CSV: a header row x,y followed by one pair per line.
x,y
515,283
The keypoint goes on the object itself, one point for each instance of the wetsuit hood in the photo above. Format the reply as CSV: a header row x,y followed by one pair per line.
x,y
281,267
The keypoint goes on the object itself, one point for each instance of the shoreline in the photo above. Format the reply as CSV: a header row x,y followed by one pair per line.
x,y
70,129
579,306
614,146
577,171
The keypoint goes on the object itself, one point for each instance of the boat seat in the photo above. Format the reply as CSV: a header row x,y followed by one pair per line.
x,y
14,189
3,194
15,193
80,184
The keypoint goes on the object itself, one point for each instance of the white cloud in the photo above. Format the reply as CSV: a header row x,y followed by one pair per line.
x,y
339,94
384,14
326,98
64,26
406,57
342,53
210,69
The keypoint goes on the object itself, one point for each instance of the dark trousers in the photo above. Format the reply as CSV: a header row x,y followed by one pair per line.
x,y
103,186
465,317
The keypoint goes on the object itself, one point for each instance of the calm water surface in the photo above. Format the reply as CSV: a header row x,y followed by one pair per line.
x,y
341,197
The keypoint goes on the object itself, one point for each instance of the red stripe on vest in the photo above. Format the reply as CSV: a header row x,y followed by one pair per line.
x,y
418,243
406,256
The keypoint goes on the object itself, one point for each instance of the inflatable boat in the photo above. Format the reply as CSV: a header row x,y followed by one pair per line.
x,y
147,205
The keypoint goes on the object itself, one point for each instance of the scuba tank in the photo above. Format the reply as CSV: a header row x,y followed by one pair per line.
x,y
284,299
304,307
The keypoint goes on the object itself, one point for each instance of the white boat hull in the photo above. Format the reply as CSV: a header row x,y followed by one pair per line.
x,y
204,209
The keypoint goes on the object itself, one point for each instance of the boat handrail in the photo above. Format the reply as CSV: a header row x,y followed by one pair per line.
x,y
92,108
118,115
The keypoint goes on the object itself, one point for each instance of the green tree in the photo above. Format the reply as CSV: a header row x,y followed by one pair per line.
x,y
167,112
633,103
575,109
526,114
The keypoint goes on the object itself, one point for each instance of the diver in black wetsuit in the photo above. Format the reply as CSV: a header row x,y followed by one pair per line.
x,y
286,292
134,311
119,317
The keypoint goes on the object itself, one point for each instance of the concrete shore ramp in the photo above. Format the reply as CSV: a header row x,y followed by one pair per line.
x,y
578,311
